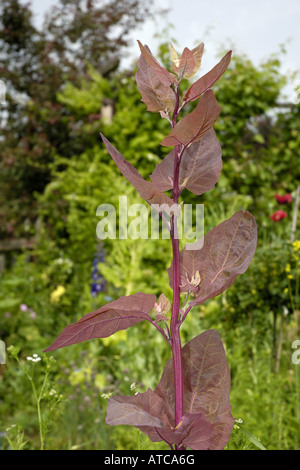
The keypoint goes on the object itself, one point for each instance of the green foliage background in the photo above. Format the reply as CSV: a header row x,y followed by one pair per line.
x,y
258,317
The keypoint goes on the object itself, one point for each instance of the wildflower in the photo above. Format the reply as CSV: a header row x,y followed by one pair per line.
x,y
23,308
97,284
96,288
278,215
57,294
32,314
34,358
10,427
285,199
133,386
296,245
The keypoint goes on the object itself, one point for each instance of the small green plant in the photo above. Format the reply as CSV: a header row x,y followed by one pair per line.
x,y
241,438
15,437
46,397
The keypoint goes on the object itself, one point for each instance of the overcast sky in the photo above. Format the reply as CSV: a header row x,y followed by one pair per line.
x,y
254,27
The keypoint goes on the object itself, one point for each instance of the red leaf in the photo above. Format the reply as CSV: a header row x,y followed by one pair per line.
x,y
189,63
200,166
149,413
208,80
227,252
194,431
207,422
107,320
165,77
143,409
199,432
155,94
146,189
193,126
197,53
186,63
206,385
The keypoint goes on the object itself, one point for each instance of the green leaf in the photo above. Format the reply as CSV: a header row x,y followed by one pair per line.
x,y
251,438
6,304
259,138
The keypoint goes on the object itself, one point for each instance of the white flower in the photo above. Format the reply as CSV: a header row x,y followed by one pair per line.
x,y
10,427
34,358
133,386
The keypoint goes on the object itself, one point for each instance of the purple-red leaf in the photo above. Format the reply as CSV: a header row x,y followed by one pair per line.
x,y
184,65
208,80
226,252
200,166
189,63
207,421
107,320
165,77
155,94
206,385
197,53
194,431
146,189
143,409
198,433
149,413
193,126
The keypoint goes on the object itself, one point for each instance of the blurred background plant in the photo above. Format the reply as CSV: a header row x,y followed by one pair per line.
x,y
64,86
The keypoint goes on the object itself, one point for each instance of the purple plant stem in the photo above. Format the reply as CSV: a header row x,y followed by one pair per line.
x,y
175,335
160,330
175,325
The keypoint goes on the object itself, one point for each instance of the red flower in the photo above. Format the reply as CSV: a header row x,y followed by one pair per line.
x,y
278,215
285,199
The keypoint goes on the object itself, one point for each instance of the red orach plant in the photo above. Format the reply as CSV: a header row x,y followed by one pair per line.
x,y
190,406
278,215
285,199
